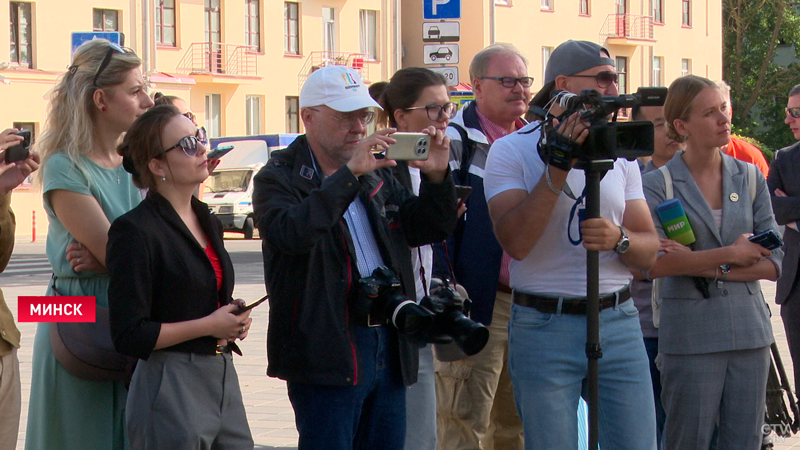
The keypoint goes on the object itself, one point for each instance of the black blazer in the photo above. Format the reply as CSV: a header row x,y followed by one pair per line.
x,y
160,274
783,175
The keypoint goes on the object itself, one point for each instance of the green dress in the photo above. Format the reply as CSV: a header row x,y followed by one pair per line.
x,y
66,412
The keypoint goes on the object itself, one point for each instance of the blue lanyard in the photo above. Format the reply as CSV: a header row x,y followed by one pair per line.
x,y
581,217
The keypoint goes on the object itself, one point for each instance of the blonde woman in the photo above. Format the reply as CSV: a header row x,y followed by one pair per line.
x,y
85,188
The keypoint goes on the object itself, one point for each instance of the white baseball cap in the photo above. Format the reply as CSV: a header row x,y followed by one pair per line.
x,y
337,87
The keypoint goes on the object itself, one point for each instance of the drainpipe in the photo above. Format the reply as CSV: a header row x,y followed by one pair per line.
x,y
491,22
398,37
146,36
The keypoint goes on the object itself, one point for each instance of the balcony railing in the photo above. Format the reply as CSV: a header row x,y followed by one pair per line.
x,y
318,60
219,58
628,26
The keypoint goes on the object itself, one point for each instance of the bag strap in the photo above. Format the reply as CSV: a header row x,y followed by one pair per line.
x,y
751,180
667,181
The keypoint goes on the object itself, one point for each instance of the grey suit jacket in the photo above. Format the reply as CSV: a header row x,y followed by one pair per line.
x,y
735,317
784,174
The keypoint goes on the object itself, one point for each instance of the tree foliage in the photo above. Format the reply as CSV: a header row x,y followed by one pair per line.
x,y
754,32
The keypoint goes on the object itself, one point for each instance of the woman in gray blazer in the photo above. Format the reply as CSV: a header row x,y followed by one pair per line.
x,y
714,345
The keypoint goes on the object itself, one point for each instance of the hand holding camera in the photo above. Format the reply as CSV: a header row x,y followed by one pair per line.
x,y
20,162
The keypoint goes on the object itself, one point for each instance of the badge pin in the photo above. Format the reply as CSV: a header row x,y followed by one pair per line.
x,y
734,197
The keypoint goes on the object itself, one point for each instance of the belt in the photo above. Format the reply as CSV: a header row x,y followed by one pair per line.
x,y
569,305
373,319
231,347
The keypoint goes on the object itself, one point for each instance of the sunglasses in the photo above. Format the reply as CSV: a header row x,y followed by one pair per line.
x,y
112,47
793,112
189,115
435,112
189,143
604,78
510,82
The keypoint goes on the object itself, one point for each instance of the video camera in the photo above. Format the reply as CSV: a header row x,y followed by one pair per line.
x,y
438,318
607,139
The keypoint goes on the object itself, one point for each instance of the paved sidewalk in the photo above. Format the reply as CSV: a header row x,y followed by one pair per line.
x,y
268,409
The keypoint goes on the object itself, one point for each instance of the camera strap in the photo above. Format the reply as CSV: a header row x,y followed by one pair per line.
x,y
581,211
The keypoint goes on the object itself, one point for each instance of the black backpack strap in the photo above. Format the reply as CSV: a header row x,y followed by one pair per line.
x,y
467,152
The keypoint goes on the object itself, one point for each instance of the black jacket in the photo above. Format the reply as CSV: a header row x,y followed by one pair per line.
x,y
782,173
309,259
160,274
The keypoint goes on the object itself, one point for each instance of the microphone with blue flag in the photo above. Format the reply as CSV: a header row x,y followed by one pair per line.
x,y
676,226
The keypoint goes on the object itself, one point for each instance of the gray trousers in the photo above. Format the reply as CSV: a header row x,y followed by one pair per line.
x,y
696,389
186,401
421,405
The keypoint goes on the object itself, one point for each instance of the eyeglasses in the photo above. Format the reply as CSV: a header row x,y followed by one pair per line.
x,y
347,121
189,143
189,115
604,78
510,82
793,112
112,47
435,112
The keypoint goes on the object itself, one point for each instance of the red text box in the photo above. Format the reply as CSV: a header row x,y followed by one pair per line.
x,y
56,309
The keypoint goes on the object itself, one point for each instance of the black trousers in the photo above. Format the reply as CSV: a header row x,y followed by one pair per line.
x,y
790,313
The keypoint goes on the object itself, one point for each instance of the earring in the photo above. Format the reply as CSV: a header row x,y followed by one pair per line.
x,y
103,109
163,179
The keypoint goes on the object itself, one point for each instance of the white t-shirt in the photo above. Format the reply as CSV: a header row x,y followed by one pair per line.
x,y
555,266
426,250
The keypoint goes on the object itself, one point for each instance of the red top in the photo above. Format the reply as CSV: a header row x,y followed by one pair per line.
x,y
747,152
212,256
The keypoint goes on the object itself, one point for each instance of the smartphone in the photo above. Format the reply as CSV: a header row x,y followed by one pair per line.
x,y
251,305
409,146
769,239
219,152
462,192
20,151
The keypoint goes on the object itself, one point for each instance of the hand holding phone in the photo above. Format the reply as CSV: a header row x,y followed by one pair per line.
x,y
251,305
20,151
409,146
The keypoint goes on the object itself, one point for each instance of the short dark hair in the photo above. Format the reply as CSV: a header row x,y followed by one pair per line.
x,y
160,99
143,142
403,90
795,91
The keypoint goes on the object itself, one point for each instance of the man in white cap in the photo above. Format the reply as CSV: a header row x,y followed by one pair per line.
x,y
330,213
533,207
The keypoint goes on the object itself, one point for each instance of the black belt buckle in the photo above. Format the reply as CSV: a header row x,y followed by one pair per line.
x,y
231,347
373,321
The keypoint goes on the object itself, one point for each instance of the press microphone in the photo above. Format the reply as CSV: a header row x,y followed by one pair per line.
x,y
675,223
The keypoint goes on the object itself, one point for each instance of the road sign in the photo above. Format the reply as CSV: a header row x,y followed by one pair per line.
x,y
440,54
113,36
461,98
441,31
449,73
441,9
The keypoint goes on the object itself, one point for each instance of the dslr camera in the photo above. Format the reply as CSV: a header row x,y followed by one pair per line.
x,y
438,318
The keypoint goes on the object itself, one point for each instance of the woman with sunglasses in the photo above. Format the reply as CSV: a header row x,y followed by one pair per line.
x,y
416,100
714,335
85,188
784,187
184,389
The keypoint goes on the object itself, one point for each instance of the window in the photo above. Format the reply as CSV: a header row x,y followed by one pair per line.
x,y
502,2
584,7
658,11
328,29
291,28
105,19
546,51
369,33
252,25
292,114
686,67
547,5
21,41
213,111
253,114
165,22
622,72
687,13
657,77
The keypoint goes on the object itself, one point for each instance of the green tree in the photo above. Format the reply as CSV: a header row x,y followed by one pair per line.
x,y
753,33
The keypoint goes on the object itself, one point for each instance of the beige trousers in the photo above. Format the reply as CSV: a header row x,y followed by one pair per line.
x,y
474,399
10,400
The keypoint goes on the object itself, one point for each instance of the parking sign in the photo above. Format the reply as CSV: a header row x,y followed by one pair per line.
x,y
441,9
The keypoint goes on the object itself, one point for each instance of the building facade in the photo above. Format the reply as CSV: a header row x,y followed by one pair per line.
x,y
241,63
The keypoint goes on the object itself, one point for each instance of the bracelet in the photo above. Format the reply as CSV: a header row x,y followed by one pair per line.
x,y
549,181
716,274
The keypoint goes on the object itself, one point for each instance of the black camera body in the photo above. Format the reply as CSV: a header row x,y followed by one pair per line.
x,y
439,317
607,140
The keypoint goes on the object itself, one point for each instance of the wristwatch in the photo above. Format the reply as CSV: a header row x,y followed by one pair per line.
x,y
624,243
726,269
